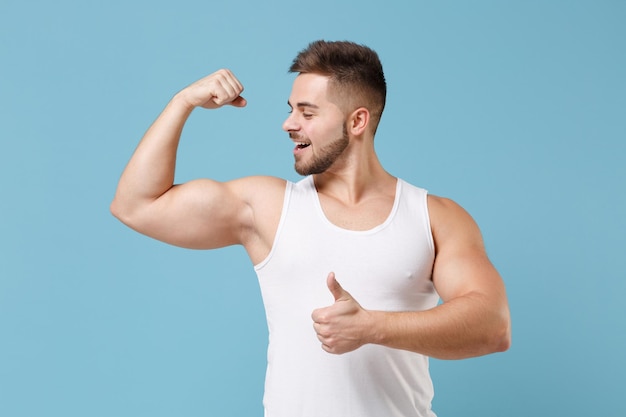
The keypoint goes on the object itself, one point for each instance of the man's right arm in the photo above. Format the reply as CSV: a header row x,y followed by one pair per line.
x,y
200,214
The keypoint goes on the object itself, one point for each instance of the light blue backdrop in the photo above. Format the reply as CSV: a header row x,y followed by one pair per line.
x,y
517,110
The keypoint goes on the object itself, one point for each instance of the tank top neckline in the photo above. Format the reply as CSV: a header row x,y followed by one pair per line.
x,y
320,211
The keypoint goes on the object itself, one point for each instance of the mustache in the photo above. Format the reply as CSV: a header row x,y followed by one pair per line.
x,y
298,137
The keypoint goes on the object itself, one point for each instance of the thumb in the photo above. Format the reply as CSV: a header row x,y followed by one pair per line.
x,y
336,290
239,102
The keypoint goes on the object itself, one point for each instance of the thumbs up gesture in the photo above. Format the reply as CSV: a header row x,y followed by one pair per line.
x,y
342,326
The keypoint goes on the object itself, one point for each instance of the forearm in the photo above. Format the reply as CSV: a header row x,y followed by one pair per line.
x,y
465,327
150,171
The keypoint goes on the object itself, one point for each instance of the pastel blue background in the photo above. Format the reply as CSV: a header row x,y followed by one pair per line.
x,y
517,110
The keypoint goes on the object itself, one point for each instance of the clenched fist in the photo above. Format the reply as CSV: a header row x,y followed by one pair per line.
x,y
213,91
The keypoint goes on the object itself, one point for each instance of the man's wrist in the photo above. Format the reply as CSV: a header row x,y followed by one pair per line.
x,y
180,100
378,321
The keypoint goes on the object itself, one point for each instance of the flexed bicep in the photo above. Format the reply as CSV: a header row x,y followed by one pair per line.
x,y
196,214
200,214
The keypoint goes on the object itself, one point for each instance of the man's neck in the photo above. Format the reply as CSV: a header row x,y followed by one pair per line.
x,y
355,180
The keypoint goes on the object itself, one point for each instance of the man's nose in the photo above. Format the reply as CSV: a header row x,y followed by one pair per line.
x,y
290,124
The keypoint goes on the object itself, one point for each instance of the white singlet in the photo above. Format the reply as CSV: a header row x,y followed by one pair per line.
x,y
386,268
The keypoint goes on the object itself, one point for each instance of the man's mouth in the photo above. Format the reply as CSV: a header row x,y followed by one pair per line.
x,y
300,144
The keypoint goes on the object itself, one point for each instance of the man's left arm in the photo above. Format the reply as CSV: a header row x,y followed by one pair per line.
x,y
473,319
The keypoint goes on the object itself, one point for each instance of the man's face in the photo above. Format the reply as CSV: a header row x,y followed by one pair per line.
x,y
316,125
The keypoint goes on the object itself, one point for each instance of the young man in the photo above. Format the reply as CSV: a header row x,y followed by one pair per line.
x,y
355,349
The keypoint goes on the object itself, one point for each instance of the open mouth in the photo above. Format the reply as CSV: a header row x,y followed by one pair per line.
x,y
301,145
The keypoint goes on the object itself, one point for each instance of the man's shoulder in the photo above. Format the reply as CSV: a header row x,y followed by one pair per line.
x,y
258,184
445,207
411,186
262,201
264,181
259,191
449,220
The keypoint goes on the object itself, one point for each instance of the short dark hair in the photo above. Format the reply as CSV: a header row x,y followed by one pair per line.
x,y
354,70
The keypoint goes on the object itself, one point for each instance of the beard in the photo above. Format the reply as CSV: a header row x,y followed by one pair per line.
x,y
325,158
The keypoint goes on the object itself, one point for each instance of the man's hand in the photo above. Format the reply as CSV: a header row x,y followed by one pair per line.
x,y
342,326
214,91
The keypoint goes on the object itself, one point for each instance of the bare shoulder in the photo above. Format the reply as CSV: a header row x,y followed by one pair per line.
x,y
451,223
263,197
259,191
444,211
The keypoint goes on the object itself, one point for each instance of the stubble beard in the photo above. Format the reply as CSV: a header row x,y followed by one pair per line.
x,y
325,158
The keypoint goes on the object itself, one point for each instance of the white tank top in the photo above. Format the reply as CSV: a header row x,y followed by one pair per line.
x,y
386,268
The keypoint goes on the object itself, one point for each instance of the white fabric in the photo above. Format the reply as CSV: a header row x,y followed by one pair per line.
x,y
386,268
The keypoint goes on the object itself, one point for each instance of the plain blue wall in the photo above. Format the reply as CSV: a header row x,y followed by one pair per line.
x,y
517,110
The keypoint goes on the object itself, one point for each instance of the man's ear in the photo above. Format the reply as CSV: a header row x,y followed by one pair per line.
x,y
359,121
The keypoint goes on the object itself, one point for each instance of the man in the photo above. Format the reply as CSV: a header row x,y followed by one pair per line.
x,y
355,349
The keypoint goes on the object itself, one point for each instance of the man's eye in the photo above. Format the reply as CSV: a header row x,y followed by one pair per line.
x,y
307,115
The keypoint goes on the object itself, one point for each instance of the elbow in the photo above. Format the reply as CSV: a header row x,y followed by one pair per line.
x,y
495,339
501,336
117,209
121,211
502,344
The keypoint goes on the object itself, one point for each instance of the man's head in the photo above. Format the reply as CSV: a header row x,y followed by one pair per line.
x,y
355,74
